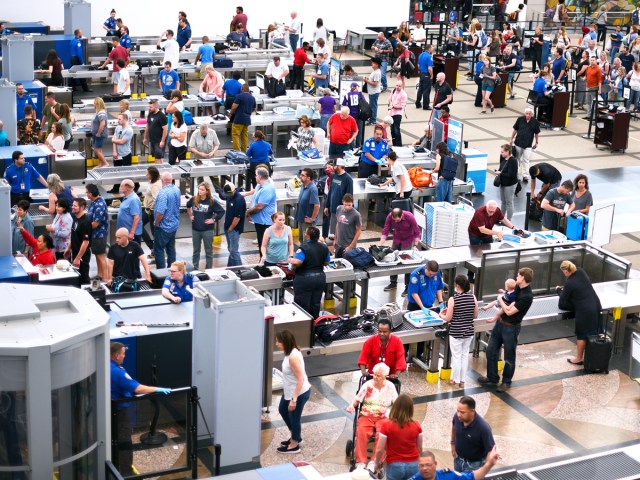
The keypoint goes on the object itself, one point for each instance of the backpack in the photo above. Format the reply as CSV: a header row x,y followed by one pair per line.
x,y
535,208
187,117
236,157
359,258
383,253
449,167
222,62
391,312
364,109
330,327
483,39
419,177
121,285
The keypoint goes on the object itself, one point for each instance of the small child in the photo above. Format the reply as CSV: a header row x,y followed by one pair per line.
x,y
509,297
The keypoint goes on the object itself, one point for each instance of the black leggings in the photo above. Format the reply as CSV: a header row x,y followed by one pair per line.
x,y
179,153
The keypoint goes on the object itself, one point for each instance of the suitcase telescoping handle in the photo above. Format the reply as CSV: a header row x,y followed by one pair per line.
x,y
462,199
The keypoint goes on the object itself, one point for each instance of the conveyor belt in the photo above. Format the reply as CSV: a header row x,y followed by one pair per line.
x,y
614,466
135,172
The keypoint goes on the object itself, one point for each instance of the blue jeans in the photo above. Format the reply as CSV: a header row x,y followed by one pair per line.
x,y
507,336
324,119
164,242
233,244
293,41
373,103
465,466
634,96
383,72
401,470
292,419
614,52
206,237
444,190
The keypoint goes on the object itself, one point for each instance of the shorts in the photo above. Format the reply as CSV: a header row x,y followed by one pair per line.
x,y
98,142
488,88
203,68
99,246
156,150
115,76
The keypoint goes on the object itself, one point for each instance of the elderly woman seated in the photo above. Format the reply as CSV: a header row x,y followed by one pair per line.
x,y
376,397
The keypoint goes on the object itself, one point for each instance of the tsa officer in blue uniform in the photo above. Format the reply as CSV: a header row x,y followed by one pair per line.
x,y
77,58
425,287
310,280
125,39
427,468
110,24
175,285
19,177
373,150
123,386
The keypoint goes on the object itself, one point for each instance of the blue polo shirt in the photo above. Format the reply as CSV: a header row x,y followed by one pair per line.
x,y
232,87
259,151
540,86
21,103
20,178
236,207
323,69
183,36
129,207
169,80
98,213
168,204
559,64
264,194
181,291
425,287
447,474
425,60
122,385
207,52
110,23
125,41
76,49
376,149
306,200
473,441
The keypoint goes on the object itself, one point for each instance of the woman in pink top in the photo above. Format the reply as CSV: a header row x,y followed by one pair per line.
x,y
212,83
397,104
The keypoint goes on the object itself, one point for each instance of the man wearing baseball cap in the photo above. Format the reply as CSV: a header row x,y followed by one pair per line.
x,y
352,100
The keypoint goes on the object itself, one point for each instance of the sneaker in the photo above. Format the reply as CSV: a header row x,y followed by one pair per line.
x,y
405,292
361,465
482,380
289,450
255,242
511,97
391,286
503,387
427,108
371,466
418,105
287,442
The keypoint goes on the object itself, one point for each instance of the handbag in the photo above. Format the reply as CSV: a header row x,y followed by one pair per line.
x,y
121,285
496,181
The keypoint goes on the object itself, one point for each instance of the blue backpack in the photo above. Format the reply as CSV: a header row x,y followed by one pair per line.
x,y
359,258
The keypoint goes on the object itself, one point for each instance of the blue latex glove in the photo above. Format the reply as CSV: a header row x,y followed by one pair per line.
x,y
166,391
442,306
426,311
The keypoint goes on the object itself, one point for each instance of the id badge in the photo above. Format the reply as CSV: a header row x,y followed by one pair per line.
x,y
22,186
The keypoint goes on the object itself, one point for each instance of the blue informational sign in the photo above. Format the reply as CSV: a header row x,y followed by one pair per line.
x,y
334,74
454,139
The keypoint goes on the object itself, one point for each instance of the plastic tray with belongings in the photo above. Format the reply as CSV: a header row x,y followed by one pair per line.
x,y
517,237
284,111
293,186
548,237
418,319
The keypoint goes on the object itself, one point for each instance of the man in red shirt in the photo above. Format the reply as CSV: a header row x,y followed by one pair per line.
x,y
481,225
300,59
239,17
118,52
383,347
342,130
594,82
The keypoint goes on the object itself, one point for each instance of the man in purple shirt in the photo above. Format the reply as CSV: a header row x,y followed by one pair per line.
x,y
406,235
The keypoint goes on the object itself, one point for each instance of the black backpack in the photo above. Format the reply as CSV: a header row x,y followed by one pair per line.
x,y
364,109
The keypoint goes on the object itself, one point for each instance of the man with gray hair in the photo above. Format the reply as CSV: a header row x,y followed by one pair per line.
x,y
342,130
166,221
204,142
130,211
263,204
427,468
525,132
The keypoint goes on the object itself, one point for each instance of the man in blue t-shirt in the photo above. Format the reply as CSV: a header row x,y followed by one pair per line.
x,y
184,34
308,203
206,54
373,151
123,386
263,204
321,75
168,79
425,63
243,106
427,465
616,41
559,68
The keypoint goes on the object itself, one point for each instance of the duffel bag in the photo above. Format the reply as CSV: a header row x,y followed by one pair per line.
x,y
391,312
419,178
359,258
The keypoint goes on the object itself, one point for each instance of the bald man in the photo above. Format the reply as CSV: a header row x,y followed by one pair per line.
x,y
124,259
443,95
130,212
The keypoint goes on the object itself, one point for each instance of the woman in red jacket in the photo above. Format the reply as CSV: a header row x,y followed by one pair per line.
x,y
41,252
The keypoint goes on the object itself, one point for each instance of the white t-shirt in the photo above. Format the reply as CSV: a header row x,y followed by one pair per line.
x,y
398,170
319,33
376,76
295,25
276,72
123,76
177,131
419,35
56,143
171,52
289,377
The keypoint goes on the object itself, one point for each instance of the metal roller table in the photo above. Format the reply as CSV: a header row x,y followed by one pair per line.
x,y
271,286
340,271
621,298
190,101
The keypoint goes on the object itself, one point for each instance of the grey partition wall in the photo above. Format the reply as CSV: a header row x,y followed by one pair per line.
x,y
228,356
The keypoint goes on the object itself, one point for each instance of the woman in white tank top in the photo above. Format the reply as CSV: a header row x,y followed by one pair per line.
x,y
297,390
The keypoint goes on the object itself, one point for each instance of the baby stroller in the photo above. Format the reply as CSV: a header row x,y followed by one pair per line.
x,y
350,448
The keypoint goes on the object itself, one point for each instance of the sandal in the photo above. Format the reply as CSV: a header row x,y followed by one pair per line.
x,y
452,383
461,384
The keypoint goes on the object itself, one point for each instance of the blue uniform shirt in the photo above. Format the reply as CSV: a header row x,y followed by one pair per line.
x,y
425,287
184,34
376,149
129,207
425,60
110,23
323,69
122,385
232,87
259,151
540,86
447,475
21,103
20,178
306,200
168,204
207,52
98,213
236,208
181,291
301,256
169,80
264,194
76,49
125,41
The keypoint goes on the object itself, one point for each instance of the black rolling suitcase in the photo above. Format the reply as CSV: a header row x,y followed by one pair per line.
x,y
405,204
598,353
